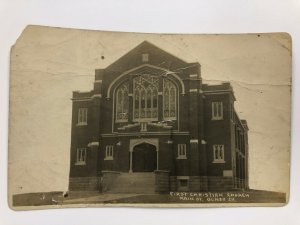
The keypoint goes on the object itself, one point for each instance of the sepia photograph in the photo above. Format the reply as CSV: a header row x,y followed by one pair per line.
x,y
99,118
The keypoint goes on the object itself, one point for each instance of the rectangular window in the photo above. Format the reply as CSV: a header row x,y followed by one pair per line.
x,y
145,57
231,112
217,110
181,148
218,153
183,183
81,156
109,152
82,116
143,126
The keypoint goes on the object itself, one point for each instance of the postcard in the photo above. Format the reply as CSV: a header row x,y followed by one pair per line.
x,y
102,118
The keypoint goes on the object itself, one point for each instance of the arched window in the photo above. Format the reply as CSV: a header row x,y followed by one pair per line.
x,y
170,97
145,97
144,104
122,102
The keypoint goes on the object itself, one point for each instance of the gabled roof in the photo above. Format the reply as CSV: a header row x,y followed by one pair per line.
x,y
157,57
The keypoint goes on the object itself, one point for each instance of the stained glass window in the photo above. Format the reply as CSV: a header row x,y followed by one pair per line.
x,y
122,102
145,97
169,111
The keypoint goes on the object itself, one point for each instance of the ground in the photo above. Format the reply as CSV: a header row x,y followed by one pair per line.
x,y
57,198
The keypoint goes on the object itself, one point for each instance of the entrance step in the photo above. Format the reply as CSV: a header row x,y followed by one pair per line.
x,y
137,183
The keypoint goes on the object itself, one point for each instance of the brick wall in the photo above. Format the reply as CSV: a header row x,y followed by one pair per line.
x,y
220,183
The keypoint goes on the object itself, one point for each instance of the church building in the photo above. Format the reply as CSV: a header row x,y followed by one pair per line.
x,y
150,125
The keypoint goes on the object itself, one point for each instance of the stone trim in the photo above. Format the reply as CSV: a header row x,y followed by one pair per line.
x,y
138,134
97,96
81,99
141,66
94,143
193,75
194,141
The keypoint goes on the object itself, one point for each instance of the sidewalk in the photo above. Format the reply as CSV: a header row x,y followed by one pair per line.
x,y
99,198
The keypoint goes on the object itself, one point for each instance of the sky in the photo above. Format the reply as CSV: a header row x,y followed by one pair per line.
x,y
47,64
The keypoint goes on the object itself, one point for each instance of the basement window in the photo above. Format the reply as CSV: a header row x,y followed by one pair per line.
x,y
183,183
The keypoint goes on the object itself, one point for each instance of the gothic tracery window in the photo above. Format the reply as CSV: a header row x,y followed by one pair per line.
x,y
144,106
122,102
145,97
169,100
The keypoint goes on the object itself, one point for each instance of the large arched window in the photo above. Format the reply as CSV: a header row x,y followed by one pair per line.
x,y
144,105
170,94
145,97
122,102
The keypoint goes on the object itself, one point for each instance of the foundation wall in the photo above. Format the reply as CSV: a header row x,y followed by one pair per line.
x,y
84,184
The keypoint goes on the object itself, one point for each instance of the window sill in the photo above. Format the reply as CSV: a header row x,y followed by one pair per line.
x,y
80,164
169,118
121,121
216,118
81,124
145,120
181,157
219,161
109,158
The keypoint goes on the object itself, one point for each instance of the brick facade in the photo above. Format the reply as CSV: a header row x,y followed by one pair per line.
x,y
190,135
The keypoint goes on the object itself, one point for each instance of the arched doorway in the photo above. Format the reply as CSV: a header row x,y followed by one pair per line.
x,y
144,158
